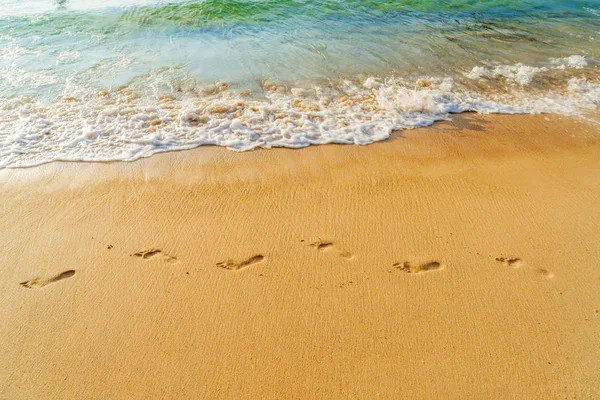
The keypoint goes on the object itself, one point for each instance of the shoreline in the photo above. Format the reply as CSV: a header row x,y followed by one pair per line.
x,y
166,162
454,261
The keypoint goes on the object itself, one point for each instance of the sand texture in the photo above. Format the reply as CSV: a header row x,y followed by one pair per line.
x,y
460,261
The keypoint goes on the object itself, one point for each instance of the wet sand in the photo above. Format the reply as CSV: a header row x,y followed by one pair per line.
x,y
457,261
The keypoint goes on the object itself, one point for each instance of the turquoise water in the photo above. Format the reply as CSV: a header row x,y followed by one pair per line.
x,y
119,80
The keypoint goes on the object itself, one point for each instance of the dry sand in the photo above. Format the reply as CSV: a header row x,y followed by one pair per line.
x,y
459,261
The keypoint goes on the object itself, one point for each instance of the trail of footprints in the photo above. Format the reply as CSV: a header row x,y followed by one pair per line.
x,y
320,245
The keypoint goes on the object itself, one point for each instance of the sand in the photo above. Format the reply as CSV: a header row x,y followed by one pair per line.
x,y
458,261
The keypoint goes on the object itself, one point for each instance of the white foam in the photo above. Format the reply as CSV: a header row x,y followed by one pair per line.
x,y
519,73
594,11
14,77
587,93
67,57
13,52
574,61
122,126
524,74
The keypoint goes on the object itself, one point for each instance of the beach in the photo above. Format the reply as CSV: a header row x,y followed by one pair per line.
x,y
455,261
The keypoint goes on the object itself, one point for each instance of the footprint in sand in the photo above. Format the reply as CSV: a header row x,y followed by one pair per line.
x,y
155,254
41,282
544,273
236,266
510,261
326,246
429,266
518,263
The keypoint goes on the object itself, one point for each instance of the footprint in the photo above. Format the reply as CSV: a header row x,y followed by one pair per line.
x,y
518,263
510,261
407,266
347,255
322,246
155,253
328,246
236,266
41,282
545,273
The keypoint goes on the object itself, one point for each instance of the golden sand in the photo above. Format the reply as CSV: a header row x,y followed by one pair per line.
x,y
460,261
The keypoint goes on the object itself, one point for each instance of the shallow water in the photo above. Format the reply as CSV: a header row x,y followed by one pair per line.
x,y
119,80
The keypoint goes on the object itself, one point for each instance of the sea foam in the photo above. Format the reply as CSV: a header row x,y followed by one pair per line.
x,y
122,125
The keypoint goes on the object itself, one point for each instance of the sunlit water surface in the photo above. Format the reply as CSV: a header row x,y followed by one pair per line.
x,y
120,80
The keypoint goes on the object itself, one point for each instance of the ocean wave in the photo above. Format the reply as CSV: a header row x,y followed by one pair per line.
x,y
126,125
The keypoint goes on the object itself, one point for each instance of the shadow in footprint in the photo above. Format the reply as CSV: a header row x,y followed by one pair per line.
x,y
41,282
510,261
155,253
322,246
236,266
545,273
407,266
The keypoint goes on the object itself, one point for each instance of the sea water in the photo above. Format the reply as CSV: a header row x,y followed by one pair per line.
x,y
100,80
